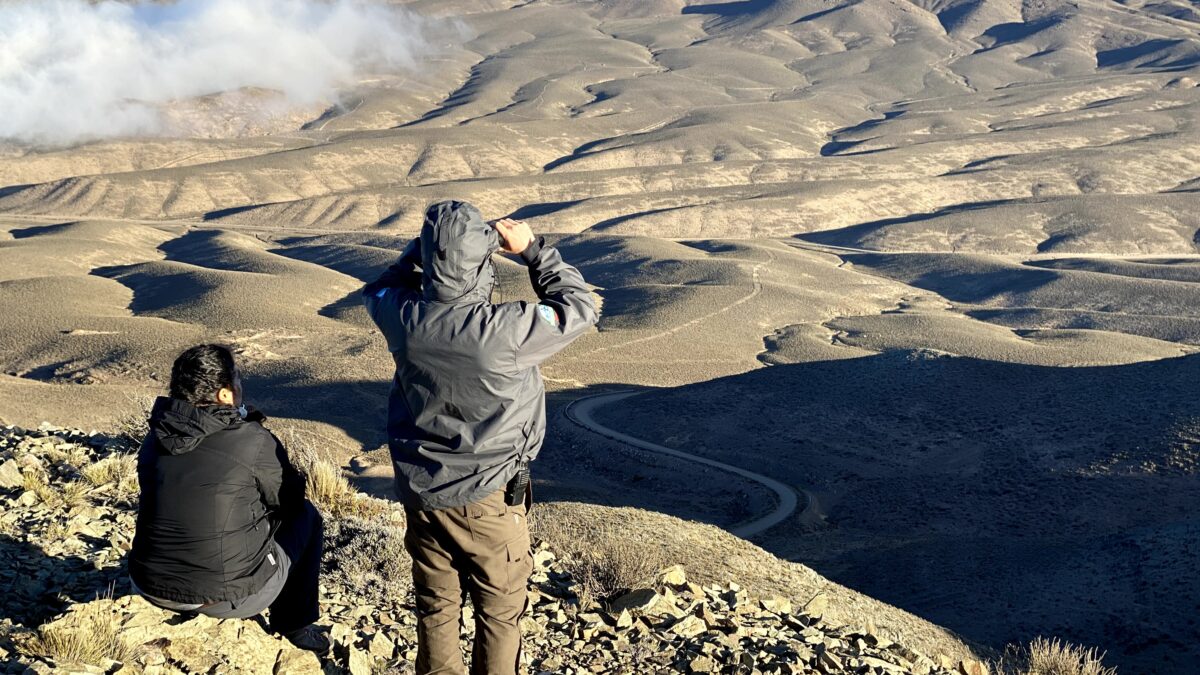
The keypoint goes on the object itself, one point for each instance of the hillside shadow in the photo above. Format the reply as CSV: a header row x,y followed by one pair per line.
x,y
852,235
39,230
10,190
729,9
961,284
155,291
359,408
999,500
1162,47
542,209
38,586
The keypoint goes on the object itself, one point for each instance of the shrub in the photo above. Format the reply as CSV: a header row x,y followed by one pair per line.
x,y
73,493
602,562
1054,657
132,427
368,557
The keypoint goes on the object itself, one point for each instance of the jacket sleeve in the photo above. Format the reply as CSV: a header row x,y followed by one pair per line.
x,y
281,485
565,309
403,275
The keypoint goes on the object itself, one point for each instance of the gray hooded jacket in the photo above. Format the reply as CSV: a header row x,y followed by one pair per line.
x,y
467,405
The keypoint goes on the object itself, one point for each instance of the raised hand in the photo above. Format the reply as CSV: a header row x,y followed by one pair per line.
x,y
515,235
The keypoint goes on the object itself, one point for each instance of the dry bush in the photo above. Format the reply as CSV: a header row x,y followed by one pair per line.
x,y
327,487
602,561
366,558
132,427
89,635
1054,657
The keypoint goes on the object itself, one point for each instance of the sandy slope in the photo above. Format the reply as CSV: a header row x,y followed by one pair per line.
x,y
840,190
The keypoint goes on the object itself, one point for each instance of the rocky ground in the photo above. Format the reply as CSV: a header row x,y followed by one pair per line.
x,y
69,504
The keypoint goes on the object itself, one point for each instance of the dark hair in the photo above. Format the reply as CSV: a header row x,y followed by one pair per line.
x,y
200,372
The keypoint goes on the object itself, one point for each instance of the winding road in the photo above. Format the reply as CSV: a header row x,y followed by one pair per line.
x,y
580,411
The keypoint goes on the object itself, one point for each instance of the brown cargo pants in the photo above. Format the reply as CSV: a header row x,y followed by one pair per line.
x,y
481,549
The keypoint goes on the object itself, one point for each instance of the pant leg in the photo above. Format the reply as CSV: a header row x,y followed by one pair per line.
x,y
302,540
499,564
439,593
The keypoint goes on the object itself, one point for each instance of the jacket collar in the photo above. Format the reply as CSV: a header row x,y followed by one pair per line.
x,y
179,427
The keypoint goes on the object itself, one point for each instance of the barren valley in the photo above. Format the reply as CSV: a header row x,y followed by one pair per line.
x,y
930,264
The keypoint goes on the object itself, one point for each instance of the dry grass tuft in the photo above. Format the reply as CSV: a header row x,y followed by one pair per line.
x,y
327,487
1054,657
73,494
120,471
602,562
70,495
89,635
37,481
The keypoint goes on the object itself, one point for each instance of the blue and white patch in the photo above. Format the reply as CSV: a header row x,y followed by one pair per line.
x,y
382,292
548,314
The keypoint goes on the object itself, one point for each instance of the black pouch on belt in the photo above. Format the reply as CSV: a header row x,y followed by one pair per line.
x,y
514,492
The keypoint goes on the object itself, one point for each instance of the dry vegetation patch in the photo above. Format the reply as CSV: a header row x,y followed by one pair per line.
x,y
602,559
90,634
1045,656
327,486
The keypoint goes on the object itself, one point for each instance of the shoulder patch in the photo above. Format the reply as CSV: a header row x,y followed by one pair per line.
x,y
548,314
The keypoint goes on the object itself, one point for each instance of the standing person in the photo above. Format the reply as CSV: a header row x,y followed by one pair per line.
x,y
223,527
466,416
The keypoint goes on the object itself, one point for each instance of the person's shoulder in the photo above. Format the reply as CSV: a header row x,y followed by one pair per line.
x,y
510,315
246,440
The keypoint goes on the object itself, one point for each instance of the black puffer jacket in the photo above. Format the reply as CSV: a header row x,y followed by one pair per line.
x,y
214,488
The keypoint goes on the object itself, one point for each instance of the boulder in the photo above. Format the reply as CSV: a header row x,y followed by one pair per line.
x,y
640,600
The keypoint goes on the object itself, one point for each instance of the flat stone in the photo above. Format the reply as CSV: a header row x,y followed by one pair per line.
x,y
817,606
381,647
673,576
640,600
881,664
296,662
10,475
624,620
689,626
778,605
972,667
358,662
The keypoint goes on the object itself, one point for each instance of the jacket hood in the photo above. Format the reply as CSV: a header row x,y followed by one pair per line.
x,y
179,426
456,252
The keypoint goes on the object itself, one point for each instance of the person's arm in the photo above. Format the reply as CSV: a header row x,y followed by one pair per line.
x,y
565,307
279,483
404,274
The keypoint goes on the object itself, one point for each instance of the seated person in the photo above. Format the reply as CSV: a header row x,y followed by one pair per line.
x,y
223,528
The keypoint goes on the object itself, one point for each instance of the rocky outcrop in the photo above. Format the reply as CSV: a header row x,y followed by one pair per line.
x,y
68,508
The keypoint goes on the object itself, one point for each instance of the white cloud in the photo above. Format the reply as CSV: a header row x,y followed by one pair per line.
x,y
72,71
